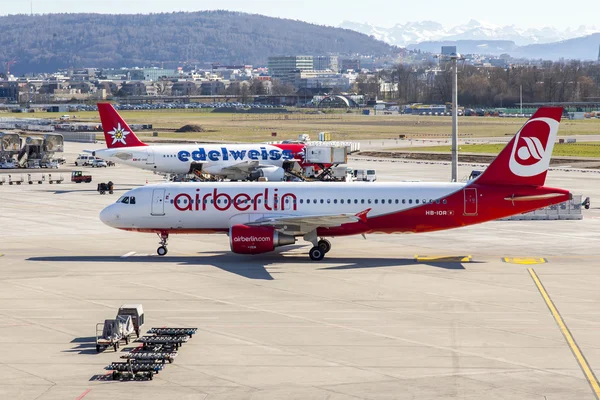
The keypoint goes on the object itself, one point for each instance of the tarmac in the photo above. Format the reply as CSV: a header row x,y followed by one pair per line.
x,y
503,310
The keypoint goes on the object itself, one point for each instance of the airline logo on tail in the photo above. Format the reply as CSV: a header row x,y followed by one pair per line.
x,y
530,155
119,135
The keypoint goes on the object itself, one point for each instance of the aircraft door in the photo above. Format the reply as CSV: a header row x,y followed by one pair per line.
x,y
470,201
158,202
150,159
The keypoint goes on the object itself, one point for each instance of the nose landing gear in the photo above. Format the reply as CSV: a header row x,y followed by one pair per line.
x,y
162,250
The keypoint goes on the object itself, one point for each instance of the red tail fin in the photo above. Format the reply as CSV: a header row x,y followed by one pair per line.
x,y
526,158
116,131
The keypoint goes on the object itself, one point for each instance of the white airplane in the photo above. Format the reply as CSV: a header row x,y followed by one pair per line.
x,y
258,217
232,161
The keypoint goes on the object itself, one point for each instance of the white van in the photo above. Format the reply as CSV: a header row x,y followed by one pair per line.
x,y
84,159
365,175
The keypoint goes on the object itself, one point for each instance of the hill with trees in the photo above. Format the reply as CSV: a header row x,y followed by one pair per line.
x,y
43,43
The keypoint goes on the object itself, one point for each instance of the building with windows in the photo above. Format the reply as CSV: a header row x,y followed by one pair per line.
x,y
322,63
321,81
350,64
285,67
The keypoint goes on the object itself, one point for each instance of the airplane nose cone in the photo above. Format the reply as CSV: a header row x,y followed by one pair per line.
x,y
107,216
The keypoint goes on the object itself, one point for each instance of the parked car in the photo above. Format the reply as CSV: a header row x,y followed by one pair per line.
x,y
8,164
97,163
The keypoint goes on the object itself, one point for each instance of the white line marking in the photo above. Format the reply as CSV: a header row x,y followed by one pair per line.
x,y
128,254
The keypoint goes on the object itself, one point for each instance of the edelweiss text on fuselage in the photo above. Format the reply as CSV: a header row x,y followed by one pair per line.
x,y
241,201
225,154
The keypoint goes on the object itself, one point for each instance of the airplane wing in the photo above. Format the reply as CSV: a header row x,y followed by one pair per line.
x,y
244,166
306,223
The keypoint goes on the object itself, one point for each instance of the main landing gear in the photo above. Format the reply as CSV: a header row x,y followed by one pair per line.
x,y
318,252
162,250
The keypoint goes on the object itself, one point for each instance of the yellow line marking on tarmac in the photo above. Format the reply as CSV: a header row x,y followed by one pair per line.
x,y
419,258
524,260
585,367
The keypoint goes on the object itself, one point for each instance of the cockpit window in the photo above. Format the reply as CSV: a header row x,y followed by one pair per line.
x,y
126,200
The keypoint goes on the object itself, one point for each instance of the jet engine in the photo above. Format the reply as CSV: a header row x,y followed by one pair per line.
x,y
272,173
245,239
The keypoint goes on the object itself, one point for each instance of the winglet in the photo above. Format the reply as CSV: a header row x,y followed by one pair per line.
x,y
363,215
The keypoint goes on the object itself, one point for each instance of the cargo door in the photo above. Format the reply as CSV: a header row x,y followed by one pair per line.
x,y
470,201
150,159
158,202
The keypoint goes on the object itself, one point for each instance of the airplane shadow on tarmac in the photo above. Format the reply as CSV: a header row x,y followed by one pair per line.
x,y
255,267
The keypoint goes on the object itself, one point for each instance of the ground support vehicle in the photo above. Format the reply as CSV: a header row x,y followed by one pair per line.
x,y
173,331
129,370
156,355
17,181
78,177
136,311
55,180
113,331
30,180
175,341
105,187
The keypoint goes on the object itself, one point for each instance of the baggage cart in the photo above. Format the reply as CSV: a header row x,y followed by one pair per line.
x,y
112,331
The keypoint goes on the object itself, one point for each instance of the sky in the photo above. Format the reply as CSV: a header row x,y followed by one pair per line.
x,y
523,14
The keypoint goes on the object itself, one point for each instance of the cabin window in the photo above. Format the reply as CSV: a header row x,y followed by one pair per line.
x,y
376,201
416,201
409,201
397,201
322,201
349,201
444,201
403,201
301,201
171,201
342,201
328,201
362,201
335,201
369,201
437,201
287,201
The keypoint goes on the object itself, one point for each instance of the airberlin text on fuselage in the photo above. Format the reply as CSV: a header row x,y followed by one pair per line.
x,y
225,154
240,201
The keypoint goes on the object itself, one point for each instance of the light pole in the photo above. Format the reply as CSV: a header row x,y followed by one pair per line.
x,y
454,57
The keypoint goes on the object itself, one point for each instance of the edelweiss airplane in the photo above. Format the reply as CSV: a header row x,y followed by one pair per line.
x,y
258,217
232,161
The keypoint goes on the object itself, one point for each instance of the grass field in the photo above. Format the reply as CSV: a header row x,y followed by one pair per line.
x,y
583,149
234,127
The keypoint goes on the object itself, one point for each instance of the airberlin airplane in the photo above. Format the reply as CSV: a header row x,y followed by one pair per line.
x,y
232,161
258,217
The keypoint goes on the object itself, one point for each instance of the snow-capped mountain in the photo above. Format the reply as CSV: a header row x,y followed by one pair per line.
x,y
416,32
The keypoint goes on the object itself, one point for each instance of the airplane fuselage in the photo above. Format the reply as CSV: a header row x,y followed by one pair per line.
x,y
403,207
178,159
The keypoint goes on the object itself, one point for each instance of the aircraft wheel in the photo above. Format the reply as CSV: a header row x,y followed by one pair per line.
x,y
161,251
325,245
316,253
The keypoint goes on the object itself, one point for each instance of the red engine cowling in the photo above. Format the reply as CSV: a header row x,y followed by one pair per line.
x,y
245,239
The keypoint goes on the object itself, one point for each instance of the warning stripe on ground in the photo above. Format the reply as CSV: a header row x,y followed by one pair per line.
x,y
440,259
524,260
581,360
